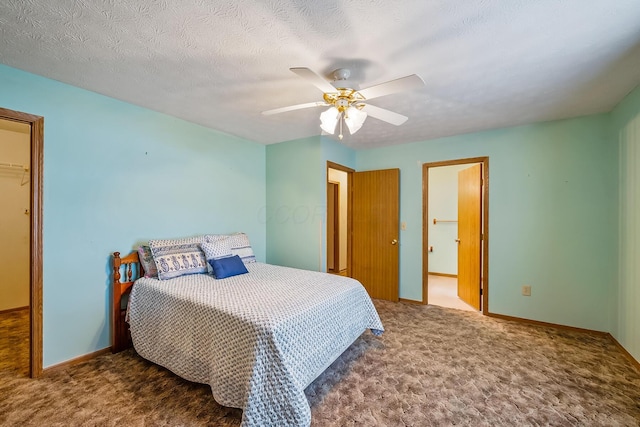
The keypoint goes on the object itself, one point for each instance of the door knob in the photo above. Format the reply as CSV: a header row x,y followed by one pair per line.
x,y
457,240
394,242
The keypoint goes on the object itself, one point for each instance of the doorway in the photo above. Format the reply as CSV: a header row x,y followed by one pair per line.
x,y
371,230
455,234
333,228
338,217
23,307
15,158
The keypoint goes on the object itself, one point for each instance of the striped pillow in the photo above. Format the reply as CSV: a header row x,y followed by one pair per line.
x,y
178,257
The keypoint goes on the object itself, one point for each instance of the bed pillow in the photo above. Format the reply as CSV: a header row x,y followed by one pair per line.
x,y
146,260
220,248
227,267
240,245
178,257
185,240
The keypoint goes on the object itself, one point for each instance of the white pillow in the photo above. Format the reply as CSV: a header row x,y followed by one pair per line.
x,y
221,248
239,243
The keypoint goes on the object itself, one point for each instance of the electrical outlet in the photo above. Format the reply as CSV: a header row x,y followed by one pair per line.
x,y
526,290
403,225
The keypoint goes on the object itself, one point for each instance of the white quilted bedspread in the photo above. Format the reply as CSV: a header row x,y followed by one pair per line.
x,y
258,339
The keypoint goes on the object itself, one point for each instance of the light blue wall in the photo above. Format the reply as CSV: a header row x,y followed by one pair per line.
x,y
626,130
297,200
553,212
553,205
116,175
338,153
295,212
552,216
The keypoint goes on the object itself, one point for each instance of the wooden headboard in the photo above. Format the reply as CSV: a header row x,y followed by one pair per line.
x,y
130,267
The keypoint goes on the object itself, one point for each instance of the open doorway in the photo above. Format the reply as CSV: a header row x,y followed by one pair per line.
x,y
338,219
15,160
455,237
21,158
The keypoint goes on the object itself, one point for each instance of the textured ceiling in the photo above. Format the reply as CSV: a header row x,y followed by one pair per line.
x,y
486,63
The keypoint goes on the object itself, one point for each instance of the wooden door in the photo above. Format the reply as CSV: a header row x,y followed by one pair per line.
x,y
375,232
469,234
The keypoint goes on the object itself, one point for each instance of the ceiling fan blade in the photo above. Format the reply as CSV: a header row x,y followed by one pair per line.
x,y
293,107
402,84
384,115
314,79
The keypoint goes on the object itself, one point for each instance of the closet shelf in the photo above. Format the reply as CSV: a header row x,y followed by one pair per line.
x,y
18,168
14,166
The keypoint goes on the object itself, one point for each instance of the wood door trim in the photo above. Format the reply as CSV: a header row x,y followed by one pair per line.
x,y
336,230
36,172
336,225
331,165
485,225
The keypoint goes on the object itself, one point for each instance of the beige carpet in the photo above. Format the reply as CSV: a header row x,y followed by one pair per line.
x,y
433,366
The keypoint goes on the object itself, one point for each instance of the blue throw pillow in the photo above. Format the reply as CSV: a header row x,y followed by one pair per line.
x,y
227,267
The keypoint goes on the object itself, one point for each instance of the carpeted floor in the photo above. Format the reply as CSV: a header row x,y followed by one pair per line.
x,y
433,366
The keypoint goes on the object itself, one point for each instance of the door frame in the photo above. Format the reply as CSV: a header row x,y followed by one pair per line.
x,y
35,239
349,171
485,225
335,195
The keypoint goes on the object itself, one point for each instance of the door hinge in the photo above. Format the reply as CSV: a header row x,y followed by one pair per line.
x,y
480,291
481,236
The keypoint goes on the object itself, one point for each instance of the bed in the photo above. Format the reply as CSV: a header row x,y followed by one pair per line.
x,y
258,339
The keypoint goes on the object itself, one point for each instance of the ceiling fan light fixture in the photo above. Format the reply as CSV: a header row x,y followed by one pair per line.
x,y
354,119
349,104
329,120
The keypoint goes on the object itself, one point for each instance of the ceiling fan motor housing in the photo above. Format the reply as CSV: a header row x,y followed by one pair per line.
x,y
341,74
341,80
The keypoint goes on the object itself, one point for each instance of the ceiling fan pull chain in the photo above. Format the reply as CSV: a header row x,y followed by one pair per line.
x,y
341,120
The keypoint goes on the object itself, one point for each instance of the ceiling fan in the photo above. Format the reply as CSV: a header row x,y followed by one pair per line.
x,y
349,104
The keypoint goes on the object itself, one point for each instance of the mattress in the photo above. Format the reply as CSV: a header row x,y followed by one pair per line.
x,y
258,339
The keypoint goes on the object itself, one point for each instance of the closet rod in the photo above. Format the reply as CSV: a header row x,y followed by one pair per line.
x,y
435,221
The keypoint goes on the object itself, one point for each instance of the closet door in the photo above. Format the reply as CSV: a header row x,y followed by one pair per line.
x,y
469,234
